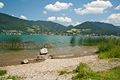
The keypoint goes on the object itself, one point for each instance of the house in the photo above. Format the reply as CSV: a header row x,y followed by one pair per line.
x,y
12,32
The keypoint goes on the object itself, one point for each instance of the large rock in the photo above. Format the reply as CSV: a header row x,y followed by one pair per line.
x,y
43,57
25,61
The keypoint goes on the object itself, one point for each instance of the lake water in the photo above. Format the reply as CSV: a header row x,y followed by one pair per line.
x,y
39,40
58,45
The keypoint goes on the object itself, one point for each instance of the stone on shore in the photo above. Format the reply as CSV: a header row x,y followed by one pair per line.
x,y
25,61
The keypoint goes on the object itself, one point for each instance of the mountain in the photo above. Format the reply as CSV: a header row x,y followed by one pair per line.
x,y
98,28
8,22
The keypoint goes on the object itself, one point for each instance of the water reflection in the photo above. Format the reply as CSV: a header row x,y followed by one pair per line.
x,y
73,41
38,41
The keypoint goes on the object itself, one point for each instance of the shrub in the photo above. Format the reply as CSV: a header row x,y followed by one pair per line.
x,y
3,72
13,77
82,72
103,46
62,72
110,49
9,77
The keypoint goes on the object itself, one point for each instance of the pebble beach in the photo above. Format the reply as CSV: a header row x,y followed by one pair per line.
x,y
50,68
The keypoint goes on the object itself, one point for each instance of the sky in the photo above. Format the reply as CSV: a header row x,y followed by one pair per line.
x,y
66,12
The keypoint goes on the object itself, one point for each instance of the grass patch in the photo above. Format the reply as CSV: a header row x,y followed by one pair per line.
x,y
4,76
13,77
83,72
62,72
111,49
9,77
3,72
92,41
112,74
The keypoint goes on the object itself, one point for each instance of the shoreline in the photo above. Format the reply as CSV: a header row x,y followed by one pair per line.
x,y
33,60
15,57
49,69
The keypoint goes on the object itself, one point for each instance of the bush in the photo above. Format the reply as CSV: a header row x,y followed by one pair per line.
x,y
82,72
113,53
3,76
9,77
3,72
110,49
92,41
13,77
62,72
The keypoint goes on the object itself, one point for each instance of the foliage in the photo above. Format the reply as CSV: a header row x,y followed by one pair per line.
x,y
9,77
112,74
91,41
110,49
4,76
3,72
73,41
62,72
83,72
14,42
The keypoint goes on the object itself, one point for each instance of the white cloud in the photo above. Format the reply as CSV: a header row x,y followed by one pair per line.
x,y
60,19
1,5
94,7
52,18
58,6
13,15
45,12
64,19
23,17
114,19
75,23
118,7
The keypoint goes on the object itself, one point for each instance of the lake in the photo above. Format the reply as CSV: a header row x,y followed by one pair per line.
x,y
57,45
37,41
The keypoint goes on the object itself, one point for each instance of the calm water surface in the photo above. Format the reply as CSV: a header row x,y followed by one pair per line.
x,y
53,40
59,45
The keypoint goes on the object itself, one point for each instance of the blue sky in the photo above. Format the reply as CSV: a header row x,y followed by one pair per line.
x,y
65,12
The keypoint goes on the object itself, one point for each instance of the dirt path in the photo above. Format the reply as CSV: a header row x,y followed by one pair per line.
x,y
49,69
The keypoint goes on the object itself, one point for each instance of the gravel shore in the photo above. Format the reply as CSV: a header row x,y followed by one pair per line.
x,y
49,69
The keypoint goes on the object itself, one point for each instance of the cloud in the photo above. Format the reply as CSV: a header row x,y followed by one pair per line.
x,y
45,12
58,6
23,17
76,23
118,7
94,7
13,15
60,19
52,18
1,5
64,19
114,19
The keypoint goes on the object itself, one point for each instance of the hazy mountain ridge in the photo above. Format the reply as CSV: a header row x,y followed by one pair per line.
x,y
8,22
99,28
